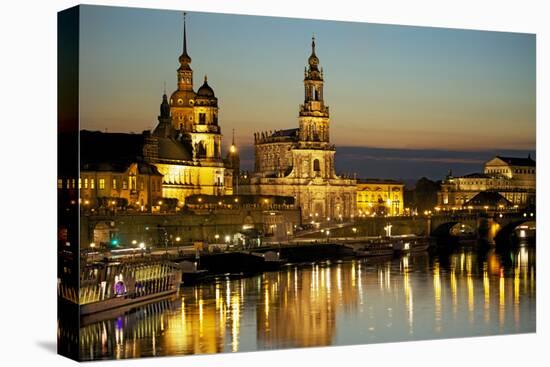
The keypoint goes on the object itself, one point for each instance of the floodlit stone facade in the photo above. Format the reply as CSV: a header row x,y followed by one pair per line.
x,y
300,162
513,178
186,144
376,197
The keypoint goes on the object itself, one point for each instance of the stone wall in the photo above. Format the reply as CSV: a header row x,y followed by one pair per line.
x,y
189,227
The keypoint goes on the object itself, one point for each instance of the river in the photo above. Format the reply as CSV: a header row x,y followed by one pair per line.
x,y
465,293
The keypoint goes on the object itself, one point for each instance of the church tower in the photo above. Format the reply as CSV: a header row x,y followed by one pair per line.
x,y
314,115
182,100
206,137
164,128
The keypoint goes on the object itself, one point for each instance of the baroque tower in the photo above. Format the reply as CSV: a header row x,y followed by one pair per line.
x,y
299,162
314,115
181,101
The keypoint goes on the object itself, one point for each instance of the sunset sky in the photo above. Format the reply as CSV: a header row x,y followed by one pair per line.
x,y
389,88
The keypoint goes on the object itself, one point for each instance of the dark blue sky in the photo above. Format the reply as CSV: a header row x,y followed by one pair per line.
x,y
405,90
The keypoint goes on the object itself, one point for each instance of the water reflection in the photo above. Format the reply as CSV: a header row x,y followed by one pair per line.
x,y
338,303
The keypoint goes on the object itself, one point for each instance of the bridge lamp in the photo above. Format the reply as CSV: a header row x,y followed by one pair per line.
x,y
142,245
531,214
134,242
354,230
92,245
500,215
323,231
227,238
524,214
216,236
178,239
328,232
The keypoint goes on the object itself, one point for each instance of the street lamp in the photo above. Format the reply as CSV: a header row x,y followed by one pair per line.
x,y
92,245
388,230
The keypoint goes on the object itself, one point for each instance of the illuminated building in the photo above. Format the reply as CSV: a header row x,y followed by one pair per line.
x,y
299,162
113,174
186,144
512,179
379,197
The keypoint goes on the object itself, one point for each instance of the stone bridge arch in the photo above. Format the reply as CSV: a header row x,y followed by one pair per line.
x,y
504,235
444,229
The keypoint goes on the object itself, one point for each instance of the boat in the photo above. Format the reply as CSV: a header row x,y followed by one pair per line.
x,y
411,244
373,248
106,286
190,274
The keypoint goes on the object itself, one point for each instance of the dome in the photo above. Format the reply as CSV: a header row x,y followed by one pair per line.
x,y
205,90
313,60
184,58
180,98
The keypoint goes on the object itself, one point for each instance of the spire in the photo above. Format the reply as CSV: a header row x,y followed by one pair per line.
x,y
184,59
164,107
184,34
233,148
313,60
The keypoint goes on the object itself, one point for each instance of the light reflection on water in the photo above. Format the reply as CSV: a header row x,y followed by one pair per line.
x,y
339,303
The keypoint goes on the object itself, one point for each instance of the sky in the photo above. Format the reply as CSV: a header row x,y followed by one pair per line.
x,y
403,99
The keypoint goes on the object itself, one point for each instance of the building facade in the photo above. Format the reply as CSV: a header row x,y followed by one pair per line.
x,y
299,162
512,178
377,197
139,185
186,144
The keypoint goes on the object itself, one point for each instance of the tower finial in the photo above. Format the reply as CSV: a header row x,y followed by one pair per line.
x,y
184,34
184,58
313,43
205,78
165,87
233,140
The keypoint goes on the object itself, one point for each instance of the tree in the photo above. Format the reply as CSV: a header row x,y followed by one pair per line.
x,y
425,194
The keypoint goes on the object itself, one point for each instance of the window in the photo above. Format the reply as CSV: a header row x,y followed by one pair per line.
x,y
124,185
202,118
102,184
114,183
79,183
59,183
316,166
73,183
86,182
92,183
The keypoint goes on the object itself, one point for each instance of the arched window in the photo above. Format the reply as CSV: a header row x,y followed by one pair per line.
x,y
316,166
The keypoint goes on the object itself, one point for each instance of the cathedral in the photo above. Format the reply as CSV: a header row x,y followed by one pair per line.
x,y
186,144
299,162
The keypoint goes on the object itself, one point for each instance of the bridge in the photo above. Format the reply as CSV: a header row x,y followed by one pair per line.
x,y
492,227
